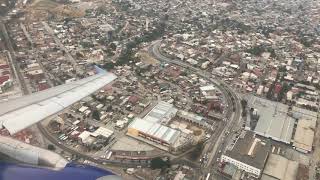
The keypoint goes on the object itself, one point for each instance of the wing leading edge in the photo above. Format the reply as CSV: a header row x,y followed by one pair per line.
x,y
20,113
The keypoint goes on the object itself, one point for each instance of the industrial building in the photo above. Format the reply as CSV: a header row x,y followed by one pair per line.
x,y
280,168
88,138
209,92
153,130
300,113
303,138
270,119
249,153
277,121
192,118
162,113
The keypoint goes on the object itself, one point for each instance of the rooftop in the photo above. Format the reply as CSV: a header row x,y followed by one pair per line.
x,y
155,129
162,112
300,113
250,150
208,91
303,138
190,116
273,120
103,132
280,168
229,169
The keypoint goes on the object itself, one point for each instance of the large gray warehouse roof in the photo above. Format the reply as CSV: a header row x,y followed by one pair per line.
x,y
279,167
273,121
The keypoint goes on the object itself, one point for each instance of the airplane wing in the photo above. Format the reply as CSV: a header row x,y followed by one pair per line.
x,y
20,113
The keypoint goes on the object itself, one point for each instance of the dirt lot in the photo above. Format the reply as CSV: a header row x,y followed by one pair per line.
x,y
146,58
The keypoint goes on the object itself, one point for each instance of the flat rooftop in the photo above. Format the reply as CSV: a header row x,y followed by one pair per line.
x,y
155,130
300,113
273,121
250,150
303,138
280,168
161,113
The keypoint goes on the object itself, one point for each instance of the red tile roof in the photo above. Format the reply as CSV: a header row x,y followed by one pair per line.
x,y
5,73
42,87
4,66
133,99
4,79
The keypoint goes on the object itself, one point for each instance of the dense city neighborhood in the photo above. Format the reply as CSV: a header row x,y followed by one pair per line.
x,y
204,89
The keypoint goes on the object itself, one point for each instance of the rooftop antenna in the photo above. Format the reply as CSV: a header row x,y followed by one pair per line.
x,y
147,24
275,110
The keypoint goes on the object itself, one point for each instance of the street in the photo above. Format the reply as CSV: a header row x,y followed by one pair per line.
x,y
219,140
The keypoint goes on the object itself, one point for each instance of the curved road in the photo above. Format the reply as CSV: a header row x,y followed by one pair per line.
x,y
85,156
219,141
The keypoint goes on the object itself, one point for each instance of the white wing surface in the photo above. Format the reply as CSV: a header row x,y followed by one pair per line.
x,y
20,113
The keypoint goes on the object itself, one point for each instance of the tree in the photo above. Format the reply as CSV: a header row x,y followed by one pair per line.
x,y
113,46
282,69
108,66
51,147
285,88
257,50
96,115
244,103
197,151
159,163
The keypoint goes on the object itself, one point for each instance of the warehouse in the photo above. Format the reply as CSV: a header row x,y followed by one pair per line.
x,y
272,119
191,117
300,113
280,168
303,138
87,137
249,154
163,112
153,131
151,128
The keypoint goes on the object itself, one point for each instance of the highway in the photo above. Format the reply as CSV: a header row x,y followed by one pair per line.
x,y
219,140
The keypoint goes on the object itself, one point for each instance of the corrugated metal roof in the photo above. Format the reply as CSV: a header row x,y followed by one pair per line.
x,y
160,112
273,121
161,132
280,167
171,136
304,135
150,124
155,129
103,132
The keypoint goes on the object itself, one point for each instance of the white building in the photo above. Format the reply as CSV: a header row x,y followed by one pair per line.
x,y
249,153
303,138
151,128
209,92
